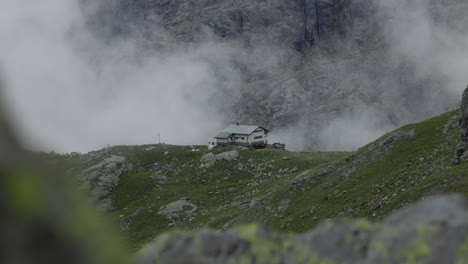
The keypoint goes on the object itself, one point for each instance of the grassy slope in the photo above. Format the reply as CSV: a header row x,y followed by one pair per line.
x,y
218,192
414,168
292,194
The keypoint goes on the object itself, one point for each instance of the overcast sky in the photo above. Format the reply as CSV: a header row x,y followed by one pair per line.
x,y
70,92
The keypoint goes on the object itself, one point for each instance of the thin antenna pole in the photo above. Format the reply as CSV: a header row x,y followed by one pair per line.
x,y
159,138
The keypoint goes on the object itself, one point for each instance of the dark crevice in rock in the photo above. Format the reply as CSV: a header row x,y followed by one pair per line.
x,y
317,17
307,39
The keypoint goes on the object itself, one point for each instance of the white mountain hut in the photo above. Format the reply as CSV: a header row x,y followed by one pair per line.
x,y
243,135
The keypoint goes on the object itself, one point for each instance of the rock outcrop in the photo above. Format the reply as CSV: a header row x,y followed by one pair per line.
x,y
102,178
434,230
178,209
210,159
462,148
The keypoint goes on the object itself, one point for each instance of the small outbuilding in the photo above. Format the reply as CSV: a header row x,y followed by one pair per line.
x,y
243,135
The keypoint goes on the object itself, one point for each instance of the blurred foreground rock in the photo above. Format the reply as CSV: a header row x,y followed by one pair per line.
x,y
43,219
434,230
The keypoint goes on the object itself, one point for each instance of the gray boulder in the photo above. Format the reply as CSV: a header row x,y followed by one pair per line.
x,y
229,155
434,230
210,159
178,208
341,242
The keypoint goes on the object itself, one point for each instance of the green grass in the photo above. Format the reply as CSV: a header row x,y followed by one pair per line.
x,y
218,192
414,168
286,190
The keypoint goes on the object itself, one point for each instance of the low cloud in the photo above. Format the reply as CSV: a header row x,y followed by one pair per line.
x,y
422,73
72,92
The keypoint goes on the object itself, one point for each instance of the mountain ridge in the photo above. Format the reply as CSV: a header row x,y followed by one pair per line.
x,y
305,66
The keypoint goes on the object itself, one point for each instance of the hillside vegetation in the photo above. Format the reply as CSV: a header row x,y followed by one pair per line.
x,y
166,187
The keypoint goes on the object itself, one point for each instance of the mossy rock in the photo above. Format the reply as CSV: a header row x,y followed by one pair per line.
x,y
434,230
339,242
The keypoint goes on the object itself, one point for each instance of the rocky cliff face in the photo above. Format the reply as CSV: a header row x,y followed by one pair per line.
x,y
300,24
311,65
462,148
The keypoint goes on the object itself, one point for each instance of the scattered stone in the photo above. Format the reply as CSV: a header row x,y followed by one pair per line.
x,y
160,179
293,170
